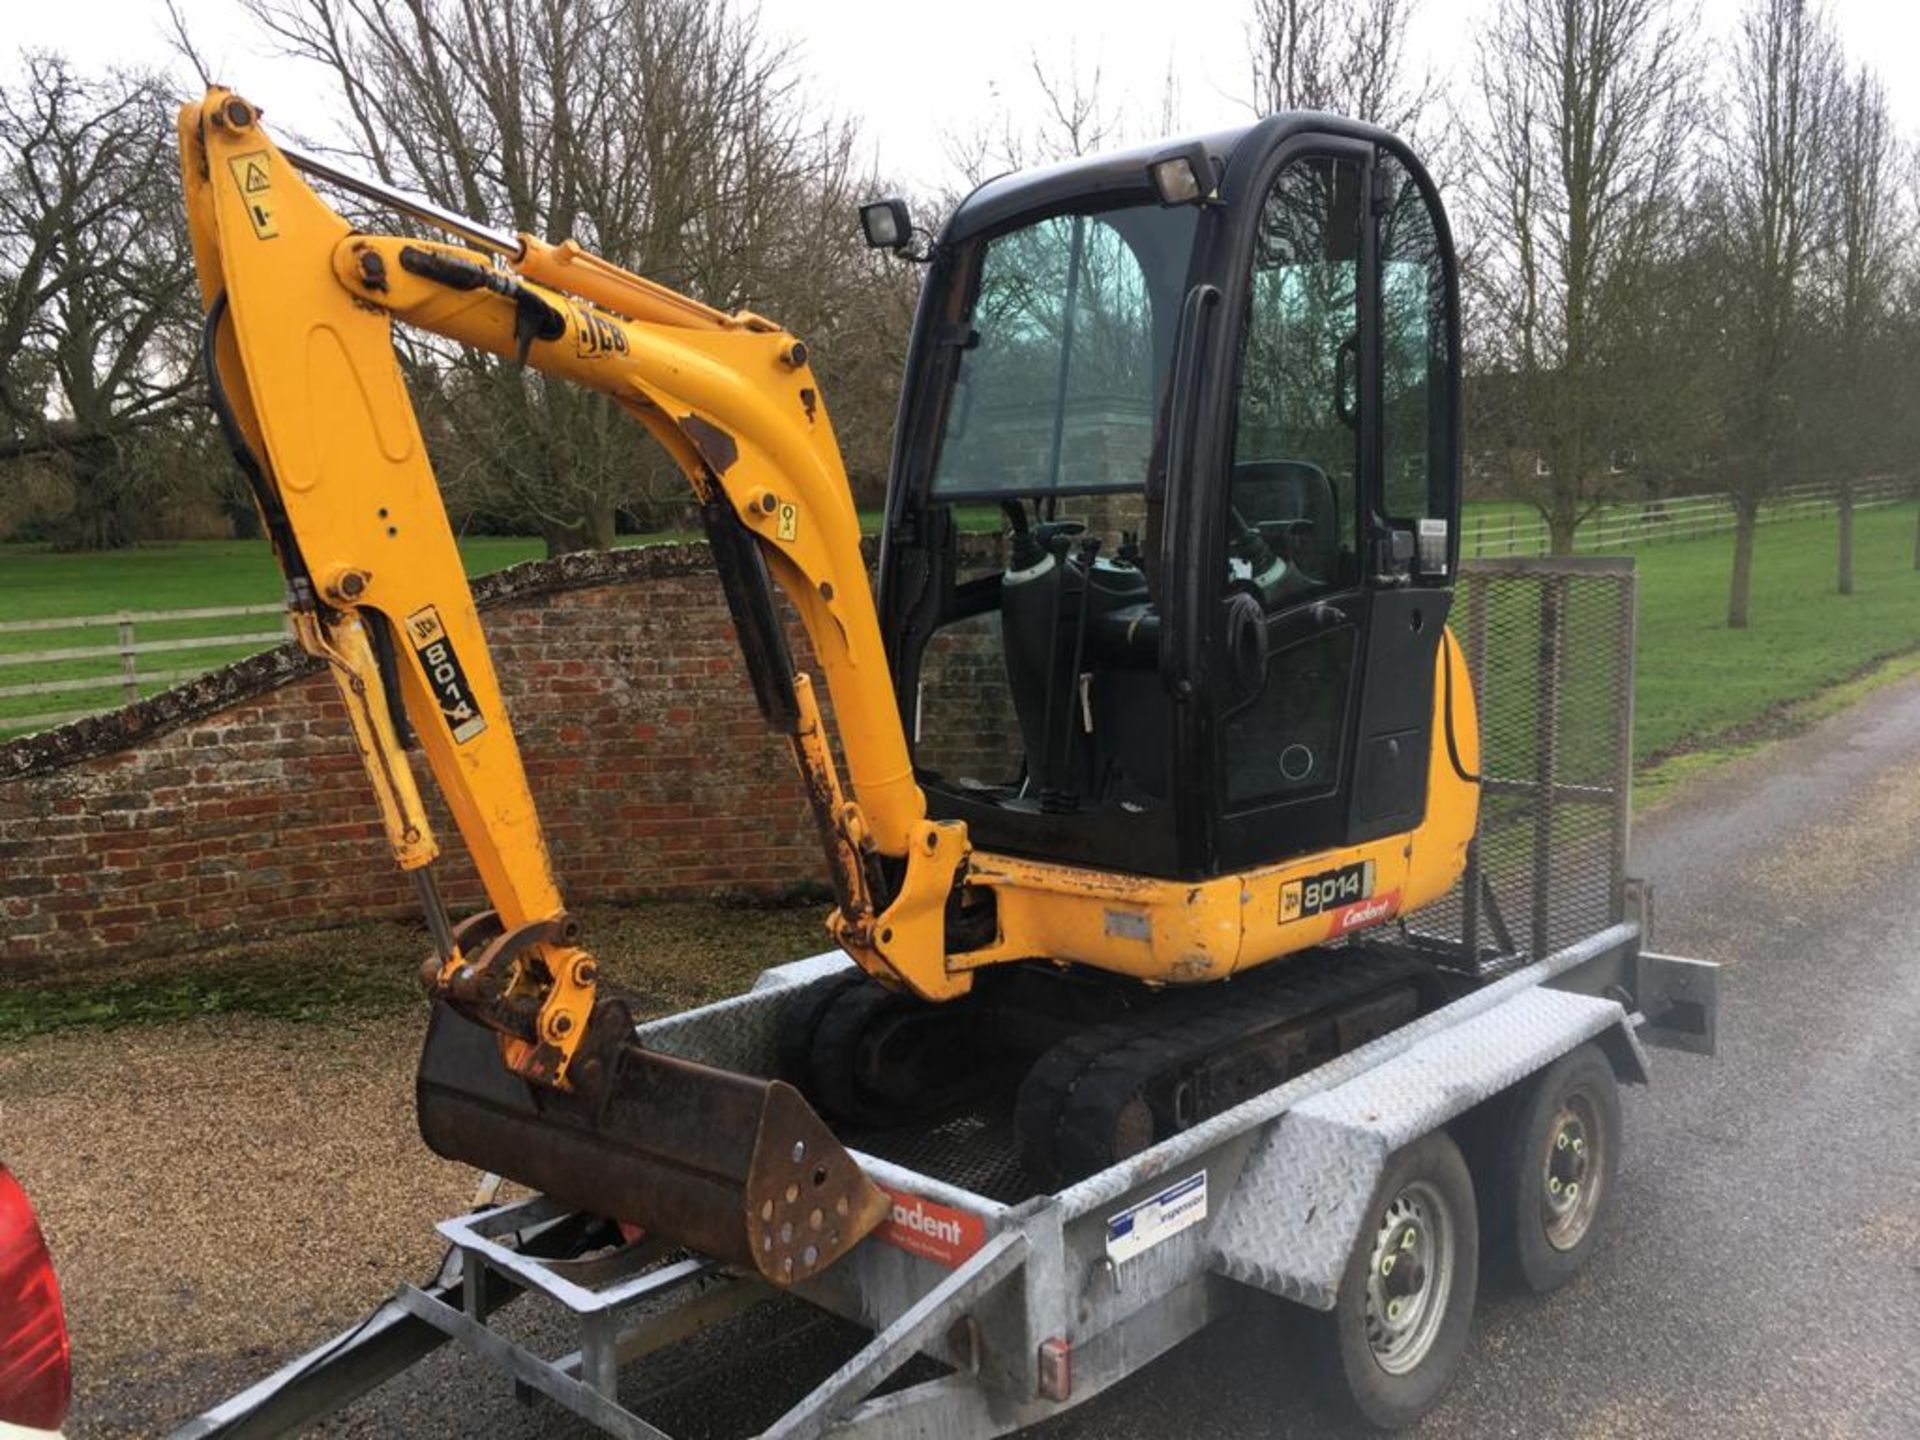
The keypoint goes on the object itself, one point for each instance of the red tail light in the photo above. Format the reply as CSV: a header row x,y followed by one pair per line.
x,y
36,1375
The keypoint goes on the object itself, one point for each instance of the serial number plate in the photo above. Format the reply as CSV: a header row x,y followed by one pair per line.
x,y
1328,890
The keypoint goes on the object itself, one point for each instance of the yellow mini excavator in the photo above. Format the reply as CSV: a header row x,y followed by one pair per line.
x,y
1197,711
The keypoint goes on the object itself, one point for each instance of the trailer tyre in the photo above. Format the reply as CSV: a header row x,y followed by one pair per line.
x,y
1405,1306
1557,1175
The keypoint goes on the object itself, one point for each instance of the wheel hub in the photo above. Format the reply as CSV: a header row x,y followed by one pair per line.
x,y
1409,1278
1570,1189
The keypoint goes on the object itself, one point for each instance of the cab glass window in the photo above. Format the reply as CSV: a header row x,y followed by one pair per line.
x,y
1413,345
1060,383
1296,454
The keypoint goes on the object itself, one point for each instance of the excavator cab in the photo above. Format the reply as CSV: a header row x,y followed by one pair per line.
x,y
1212,391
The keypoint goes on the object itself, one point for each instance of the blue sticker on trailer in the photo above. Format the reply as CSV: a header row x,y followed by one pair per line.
x,y
1143,1225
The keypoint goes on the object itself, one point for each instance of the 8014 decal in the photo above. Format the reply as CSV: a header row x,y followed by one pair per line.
x,y
1344,896
1329,890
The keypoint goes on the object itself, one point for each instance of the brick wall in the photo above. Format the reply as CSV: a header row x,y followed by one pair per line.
x,y
236,804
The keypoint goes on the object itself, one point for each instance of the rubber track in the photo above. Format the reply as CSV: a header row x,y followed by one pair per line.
x,y
1071,1101
837,1032
800,1019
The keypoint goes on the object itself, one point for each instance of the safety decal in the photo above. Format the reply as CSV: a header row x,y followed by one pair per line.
x,y
446,677
1140,1227
1329,890
919,1226
787,520
253,173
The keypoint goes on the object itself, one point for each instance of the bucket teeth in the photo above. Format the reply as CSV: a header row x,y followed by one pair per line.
x,y
735,1167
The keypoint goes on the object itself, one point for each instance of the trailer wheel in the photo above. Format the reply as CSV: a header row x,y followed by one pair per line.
x,y
1557,1175
1405,1305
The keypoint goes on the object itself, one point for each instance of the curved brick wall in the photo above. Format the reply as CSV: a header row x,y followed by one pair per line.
x,y
235,804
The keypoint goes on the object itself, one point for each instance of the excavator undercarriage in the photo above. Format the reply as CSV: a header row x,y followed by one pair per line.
x,y
1078,1072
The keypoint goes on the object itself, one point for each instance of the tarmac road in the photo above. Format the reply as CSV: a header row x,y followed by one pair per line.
x,y
1762,1277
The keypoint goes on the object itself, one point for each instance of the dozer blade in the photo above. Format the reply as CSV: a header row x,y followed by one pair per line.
x,y
737,1168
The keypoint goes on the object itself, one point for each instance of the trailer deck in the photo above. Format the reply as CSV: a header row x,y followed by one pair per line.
x,y
1026,1303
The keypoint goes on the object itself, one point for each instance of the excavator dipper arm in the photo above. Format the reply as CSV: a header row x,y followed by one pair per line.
x,y
299,347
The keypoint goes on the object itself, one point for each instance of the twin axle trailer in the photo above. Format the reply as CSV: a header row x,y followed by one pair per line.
x,y
1367,1188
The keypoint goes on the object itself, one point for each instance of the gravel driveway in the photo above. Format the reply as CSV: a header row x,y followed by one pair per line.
x,y
1762,1279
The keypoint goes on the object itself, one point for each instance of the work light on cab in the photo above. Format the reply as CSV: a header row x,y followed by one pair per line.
x,y
888,224
1184,176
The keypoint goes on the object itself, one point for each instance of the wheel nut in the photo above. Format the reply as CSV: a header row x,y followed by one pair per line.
x,y
1573,1190
1553,1185
1579,1146
1560,1141
1407,1237
1386,1266
1393,1309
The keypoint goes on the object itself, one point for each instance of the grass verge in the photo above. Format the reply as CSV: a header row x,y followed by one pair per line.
x,y
1663,776
659,957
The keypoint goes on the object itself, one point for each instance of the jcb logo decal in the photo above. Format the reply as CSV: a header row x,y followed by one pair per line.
x,y
595,335
425,626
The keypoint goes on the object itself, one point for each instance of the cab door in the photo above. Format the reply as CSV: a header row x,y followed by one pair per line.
x,y
1413,498
1321,687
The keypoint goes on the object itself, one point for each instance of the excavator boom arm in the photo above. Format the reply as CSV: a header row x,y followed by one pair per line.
x,y
301,308
529,1070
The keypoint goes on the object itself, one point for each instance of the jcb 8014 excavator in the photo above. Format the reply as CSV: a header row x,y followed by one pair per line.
x,y
1212,388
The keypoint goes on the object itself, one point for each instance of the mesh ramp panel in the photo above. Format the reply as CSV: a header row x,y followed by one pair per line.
x,y
1549,643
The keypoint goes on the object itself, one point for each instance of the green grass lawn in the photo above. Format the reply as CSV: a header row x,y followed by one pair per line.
x,y
1698,680
37,583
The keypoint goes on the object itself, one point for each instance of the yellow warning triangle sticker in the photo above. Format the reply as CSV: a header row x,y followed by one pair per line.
x,y
256,179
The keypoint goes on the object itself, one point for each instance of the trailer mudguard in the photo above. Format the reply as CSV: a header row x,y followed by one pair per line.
x,y
1291,1222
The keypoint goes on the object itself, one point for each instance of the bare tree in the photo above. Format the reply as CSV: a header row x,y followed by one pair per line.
x,y
666,135
96,317
1778,187
1076,117
1343,56
1574,188
1860,276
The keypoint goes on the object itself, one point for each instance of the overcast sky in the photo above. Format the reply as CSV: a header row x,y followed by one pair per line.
x,y
910,84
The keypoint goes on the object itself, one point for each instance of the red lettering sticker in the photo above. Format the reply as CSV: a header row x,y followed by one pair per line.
x,y
919,1226
1365,912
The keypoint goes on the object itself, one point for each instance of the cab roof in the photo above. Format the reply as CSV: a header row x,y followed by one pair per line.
x,y
1121,175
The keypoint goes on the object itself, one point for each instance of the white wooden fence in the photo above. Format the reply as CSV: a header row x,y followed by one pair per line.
x,y
1618,526
1624,525
128,649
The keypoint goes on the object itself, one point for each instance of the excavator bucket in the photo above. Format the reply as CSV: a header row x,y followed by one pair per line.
x,y
736,1167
